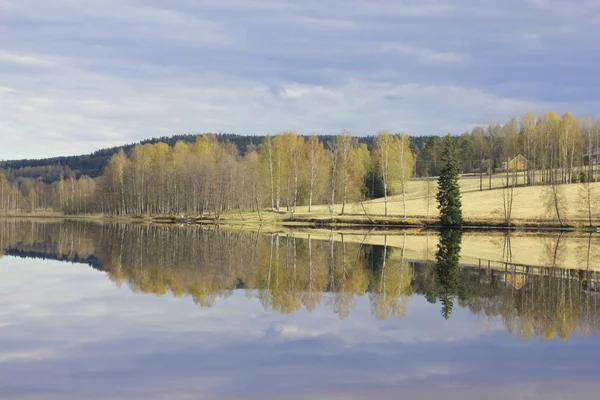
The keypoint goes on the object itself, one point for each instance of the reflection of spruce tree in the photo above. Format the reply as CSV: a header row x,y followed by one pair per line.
x,y
447,269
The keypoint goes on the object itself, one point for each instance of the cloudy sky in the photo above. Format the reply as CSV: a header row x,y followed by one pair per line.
x,y
77,75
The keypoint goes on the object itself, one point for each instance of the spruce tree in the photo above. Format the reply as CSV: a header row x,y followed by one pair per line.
x,y
448,195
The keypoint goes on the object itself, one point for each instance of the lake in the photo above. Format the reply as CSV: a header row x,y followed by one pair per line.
x,y
92,310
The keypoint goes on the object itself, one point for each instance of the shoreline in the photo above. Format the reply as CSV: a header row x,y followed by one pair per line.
x,y
335,222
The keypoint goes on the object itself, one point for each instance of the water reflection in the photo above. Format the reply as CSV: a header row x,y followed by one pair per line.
x,y
290,271
447,268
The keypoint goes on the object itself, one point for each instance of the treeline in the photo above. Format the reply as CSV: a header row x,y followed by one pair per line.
x,y
46,173
209,176
93,164
287,273
544,140
214,174
285,171
26,195
555,148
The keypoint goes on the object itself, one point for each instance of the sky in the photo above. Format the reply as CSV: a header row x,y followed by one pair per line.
x,y
76,76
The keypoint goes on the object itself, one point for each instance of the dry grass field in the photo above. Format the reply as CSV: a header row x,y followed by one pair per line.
x,y
530,203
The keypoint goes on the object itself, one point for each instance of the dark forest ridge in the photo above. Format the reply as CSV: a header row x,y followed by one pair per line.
x,y
50,169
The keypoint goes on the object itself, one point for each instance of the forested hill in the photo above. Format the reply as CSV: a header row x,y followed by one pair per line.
x,y
51,169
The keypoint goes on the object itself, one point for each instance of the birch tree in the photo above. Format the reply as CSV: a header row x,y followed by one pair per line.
x,y
345,145
267,153
316,156
406,162
386,166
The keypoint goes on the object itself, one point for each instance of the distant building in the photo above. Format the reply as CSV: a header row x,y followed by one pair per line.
x,y
594,157
517,280
519,163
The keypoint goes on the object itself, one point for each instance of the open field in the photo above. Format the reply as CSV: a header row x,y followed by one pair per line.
x,y
530,203
530,208
480,208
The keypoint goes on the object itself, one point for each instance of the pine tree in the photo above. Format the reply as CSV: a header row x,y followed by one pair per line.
x,y
448,195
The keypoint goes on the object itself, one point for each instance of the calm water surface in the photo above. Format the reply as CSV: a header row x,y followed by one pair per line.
x,y
117,311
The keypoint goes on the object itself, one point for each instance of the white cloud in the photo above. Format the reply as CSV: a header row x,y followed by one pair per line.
x,y
398,8
29,355
10,57
424,54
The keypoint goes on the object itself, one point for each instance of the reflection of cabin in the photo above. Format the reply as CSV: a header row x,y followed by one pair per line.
x,y
519,163
516,280
594,157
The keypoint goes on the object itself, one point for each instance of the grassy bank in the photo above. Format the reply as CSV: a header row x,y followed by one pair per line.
x,y
314,220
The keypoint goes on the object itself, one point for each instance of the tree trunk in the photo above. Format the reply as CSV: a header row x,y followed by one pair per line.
x,y
402,175
385,196
480,181
270,151
295,185
312,180
278,182
333,183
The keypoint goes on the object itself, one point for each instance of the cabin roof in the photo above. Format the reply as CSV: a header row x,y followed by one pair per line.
x,y
518,156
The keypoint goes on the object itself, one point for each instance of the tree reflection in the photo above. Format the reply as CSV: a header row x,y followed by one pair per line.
x,y
288,272
447,269
390,285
